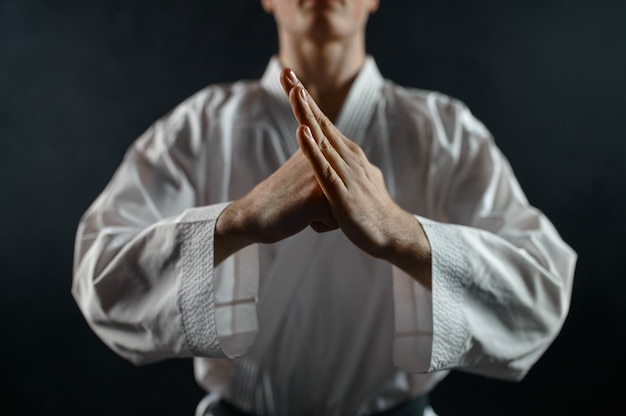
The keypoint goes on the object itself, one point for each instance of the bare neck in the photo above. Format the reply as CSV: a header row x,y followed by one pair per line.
x,y
327,70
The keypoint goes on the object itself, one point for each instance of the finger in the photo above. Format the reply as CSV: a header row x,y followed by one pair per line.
x,y
322,141
329,129
302,112
329,181
288,80
326,135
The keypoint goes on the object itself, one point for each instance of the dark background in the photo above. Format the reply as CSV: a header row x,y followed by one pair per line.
x,y
80,80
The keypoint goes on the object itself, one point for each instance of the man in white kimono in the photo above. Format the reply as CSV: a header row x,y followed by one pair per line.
x,y
324,244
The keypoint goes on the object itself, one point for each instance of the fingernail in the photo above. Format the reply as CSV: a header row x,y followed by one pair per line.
x,y
303,93
308,134
292,77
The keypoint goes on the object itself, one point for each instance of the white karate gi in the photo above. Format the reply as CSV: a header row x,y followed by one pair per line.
x,y
313,325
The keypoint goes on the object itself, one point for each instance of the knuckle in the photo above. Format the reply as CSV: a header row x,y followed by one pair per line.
x,y
325,123
358,151
329,173
352,145
326,146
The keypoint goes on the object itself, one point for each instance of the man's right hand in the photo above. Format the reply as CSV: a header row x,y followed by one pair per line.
x,y
279,207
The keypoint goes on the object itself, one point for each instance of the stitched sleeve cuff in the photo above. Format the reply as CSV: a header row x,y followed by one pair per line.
x,y
432,322
449,275
196,289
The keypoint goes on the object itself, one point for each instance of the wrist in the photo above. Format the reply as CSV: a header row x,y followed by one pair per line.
x,y
407,247
231,232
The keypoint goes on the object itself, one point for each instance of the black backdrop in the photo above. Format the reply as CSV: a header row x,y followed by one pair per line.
x,y
79,80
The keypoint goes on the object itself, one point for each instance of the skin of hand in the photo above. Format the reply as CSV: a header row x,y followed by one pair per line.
x,y
356,191
285,203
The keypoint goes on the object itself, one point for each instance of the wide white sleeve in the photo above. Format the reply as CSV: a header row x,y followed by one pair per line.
x,y
143,264
501,274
